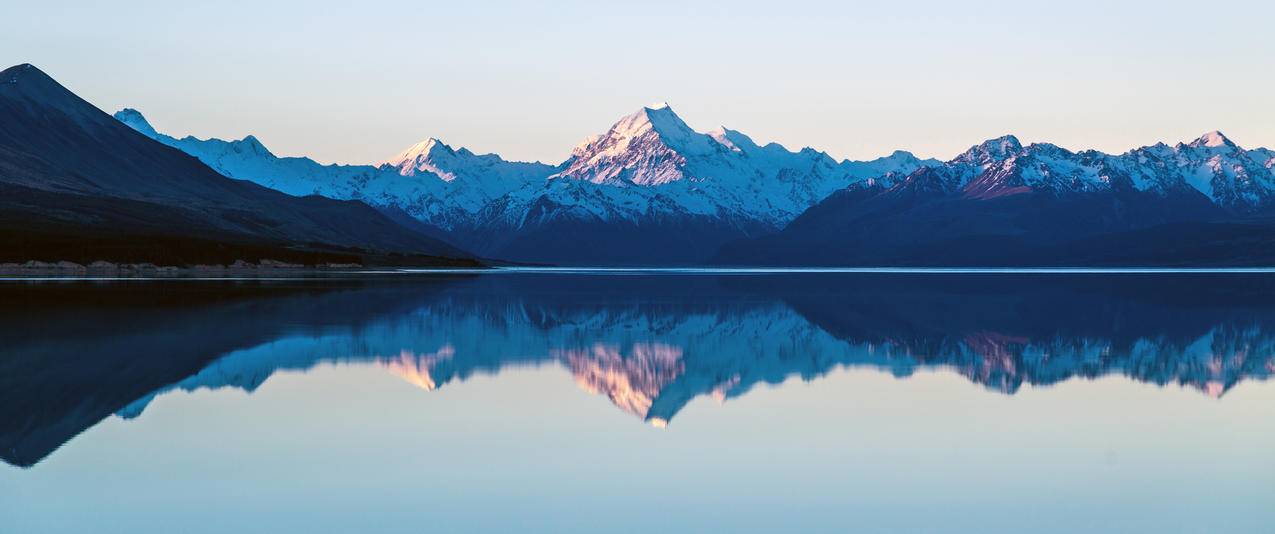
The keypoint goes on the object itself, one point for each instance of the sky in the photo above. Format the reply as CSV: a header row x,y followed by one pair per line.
x,y
350,83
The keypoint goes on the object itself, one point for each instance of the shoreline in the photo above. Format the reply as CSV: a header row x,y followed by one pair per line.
x,y
65,270
112,269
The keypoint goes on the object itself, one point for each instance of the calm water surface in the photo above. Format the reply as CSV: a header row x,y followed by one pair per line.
x,y
641,402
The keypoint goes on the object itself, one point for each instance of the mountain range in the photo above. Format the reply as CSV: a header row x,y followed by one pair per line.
x,y
78,185
652,191
1206,202
649,190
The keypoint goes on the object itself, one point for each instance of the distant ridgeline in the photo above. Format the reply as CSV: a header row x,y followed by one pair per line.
x,y
76,185
652,191
80,186
649,344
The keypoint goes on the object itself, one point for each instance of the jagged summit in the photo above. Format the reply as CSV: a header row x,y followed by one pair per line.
x,y
250,142
135,120
248,146
420,155
487,176
1001,146
980,156
734,140
1213,139
661,119
646,147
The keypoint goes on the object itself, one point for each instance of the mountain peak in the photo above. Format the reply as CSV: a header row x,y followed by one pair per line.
x,y
659,117
25,72
253,144
733,140
665,123
1005,144
660,120
646,147
1212,139
31,82
27,83
135,120
422,151
995,149
430,155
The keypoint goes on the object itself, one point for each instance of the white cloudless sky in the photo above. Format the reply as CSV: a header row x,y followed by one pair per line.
x,y
357,82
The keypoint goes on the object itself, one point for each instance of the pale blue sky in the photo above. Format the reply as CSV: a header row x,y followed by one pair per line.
x,y
358,84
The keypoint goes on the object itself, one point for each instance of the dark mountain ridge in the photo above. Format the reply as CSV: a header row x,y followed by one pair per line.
x,y
79,184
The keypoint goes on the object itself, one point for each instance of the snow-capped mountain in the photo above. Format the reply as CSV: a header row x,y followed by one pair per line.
x,y
430,181
474,180
1002,203
80,186
1229,176
1212,165
723,173
651,190
648,190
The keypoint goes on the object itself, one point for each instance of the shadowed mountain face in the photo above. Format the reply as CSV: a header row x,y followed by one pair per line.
x,y
79,185
73,355
1204,203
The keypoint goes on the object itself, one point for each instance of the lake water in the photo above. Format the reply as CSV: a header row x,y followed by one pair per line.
x,y
641,402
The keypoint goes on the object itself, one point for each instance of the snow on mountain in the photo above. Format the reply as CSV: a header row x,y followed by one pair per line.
x,y
1224,172
648,147
951,176
248,159
1041,167
653,174
410,183
73,171
1212,165
723,173
134,119
475,180
650,170
1265,156
899,162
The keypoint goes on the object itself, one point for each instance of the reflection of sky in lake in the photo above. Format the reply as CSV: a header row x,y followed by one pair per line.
x,y
990,415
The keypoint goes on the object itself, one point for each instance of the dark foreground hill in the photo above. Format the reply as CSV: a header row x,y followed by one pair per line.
x,y
77,185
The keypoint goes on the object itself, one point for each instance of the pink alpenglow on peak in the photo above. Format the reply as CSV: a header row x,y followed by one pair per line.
x,y
1213,139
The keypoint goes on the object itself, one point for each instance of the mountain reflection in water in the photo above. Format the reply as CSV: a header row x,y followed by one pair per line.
x,y
75,353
